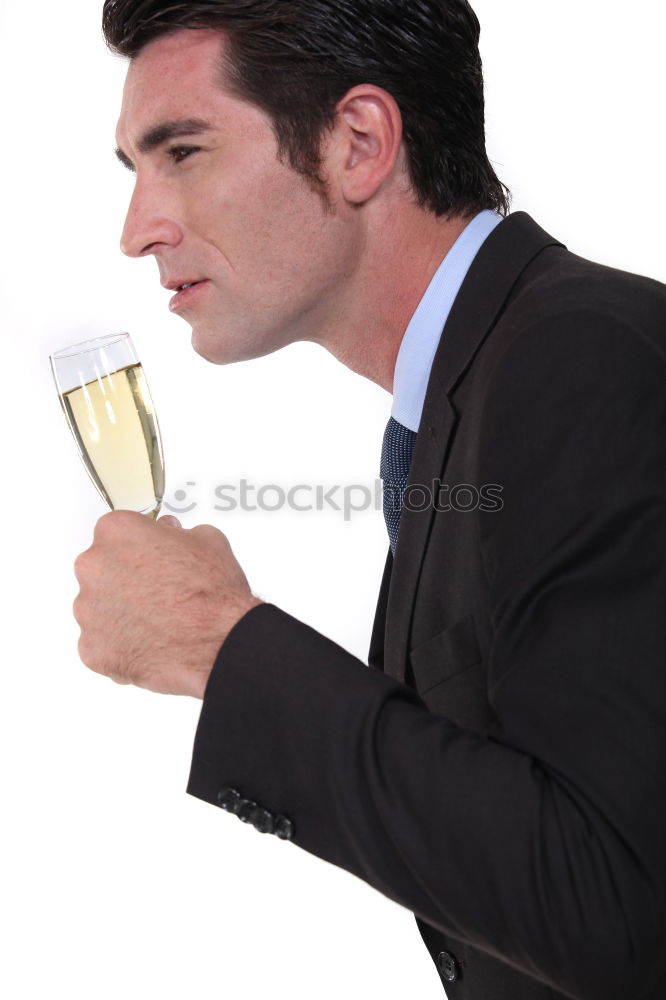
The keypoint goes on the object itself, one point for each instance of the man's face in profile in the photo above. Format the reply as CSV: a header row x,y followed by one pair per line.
x,y
217,208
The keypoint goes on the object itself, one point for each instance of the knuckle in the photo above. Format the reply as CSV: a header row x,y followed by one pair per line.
x,y
113,522
104,524
208,532
80,564
81,611
84,651
89,654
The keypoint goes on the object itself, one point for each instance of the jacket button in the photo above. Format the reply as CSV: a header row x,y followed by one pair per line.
x,y
229,799
448,966
283,828
262,820
245,810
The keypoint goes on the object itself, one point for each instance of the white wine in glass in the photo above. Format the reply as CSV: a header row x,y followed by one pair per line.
x,y
110,412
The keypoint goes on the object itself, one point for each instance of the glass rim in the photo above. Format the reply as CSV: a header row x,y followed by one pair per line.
x,y
87,346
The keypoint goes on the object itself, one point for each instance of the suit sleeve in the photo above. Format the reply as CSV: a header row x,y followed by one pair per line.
x,y
543,846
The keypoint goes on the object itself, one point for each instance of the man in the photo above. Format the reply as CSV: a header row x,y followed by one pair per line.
x,y
315,170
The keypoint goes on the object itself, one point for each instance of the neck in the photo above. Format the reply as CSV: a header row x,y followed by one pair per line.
x,y
399,252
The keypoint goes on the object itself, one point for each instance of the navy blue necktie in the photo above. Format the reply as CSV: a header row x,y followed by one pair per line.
x,y
397,449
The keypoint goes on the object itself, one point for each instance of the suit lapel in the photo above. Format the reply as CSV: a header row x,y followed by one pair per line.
x,y
498,265
376,653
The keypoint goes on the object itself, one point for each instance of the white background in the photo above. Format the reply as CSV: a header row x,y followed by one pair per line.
x,y
114,882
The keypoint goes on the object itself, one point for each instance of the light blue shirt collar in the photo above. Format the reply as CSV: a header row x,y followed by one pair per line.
x,y
421,338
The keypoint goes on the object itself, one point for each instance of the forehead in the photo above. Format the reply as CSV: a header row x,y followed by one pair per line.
x,y
172,77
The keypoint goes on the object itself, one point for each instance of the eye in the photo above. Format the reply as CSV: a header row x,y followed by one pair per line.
x,y
180,153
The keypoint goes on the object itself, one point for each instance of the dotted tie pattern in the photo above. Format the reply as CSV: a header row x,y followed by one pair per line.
x,y
397,449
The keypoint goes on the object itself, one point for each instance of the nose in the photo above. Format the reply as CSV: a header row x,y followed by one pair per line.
x,y
149,224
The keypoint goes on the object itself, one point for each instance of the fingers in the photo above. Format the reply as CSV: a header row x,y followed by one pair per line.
x,y
170,521
207,530
117,523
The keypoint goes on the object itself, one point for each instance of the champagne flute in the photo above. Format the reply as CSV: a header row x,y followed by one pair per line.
x,y
107,403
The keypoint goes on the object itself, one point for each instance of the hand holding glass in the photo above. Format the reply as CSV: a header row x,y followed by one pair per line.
x,y
107,403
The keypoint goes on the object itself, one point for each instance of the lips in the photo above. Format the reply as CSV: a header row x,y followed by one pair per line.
x,y
179,284
186,292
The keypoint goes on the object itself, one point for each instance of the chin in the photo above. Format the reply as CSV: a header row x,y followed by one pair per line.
x,y
210,349
219,351
203,352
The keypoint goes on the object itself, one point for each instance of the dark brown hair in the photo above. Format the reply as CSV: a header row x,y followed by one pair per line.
x,y
296,59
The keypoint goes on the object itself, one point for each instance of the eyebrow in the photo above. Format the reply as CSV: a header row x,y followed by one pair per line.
x,y
164,132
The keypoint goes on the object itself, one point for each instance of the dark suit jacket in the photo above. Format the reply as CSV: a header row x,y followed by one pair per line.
x,y
503,773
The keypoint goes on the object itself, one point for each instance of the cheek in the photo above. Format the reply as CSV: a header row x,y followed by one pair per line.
x,y
267,218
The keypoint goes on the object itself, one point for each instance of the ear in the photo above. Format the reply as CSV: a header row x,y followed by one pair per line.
x,y
367,140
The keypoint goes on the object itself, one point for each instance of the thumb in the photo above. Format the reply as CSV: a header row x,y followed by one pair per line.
x,y
170,521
